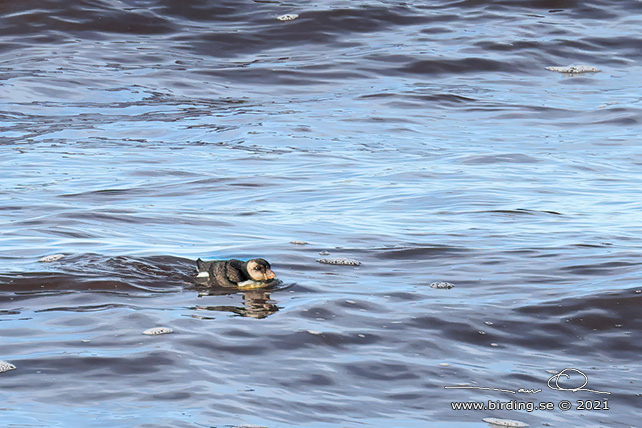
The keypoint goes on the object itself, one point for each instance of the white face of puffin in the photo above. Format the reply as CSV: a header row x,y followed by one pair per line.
x,y
259,271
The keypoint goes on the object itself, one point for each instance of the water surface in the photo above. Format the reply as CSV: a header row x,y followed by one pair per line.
x,y
425,140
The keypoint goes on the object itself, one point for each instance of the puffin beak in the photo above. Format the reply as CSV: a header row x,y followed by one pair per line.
x,y
269,274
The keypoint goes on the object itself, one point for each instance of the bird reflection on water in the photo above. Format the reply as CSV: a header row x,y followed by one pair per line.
x,y
256,304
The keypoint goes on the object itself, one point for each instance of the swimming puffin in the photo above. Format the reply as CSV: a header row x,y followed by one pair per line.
x,y
254,273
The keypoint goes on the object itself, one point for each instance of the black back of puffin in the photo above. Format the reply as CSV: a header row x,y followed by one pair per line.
x,y
233,273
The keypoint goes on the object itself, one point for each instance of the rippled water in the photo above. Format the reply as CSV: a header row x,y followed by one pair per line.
x,y
424,139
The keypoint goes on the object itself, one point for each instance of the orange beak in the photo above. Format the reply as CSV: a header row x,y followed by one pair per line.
x,y
269,274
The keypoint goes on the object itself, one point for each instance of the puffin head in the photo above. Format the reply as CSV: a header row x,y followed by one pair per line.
x,y
260,270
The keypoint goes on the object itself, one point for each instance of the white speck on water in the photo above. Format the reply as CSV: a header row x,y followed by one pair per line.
x,y
505,422
574,69
324,253
288,17
298,243
482,332
314,332
5,366
340,261
552,371
51,258
361,335
352,302
444,364
442,285
158,330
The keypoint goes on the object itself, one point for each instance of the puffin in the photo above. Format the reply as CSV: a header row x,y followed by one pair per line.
x,y
233,273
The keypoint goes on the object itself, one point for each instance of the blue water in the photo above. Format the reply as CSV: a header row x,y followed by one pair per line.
x,y
427,141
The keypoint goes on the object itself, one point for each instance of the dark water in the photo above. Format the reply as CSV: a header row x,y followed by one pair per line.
x,y
425,139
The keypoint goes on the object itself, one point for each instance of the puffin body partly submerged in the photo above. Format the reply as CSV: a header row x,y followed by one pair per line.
x,y
254,273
